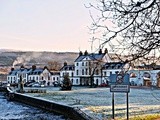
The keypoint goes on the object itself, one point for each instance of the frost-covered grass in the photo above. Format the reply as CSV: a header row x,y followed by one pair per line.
x,y
146,117
96,102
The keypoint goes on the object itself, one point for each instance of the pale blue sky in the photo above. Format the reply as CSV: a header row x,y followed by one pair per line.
x,y
45,25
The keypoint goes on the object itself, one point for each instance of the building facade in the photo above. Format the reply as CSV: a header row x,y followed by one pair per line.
x,y
39,75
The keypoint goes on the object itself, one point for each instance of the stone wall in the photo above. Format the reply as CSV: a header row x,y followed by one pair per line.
x,y
51,106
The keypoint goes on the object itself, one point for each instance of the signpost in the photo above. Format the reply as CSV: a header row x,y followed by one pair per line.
x,y
119,83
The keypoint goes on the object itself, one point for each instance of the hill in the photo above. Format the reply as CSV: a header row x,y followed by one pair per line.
x,y
13,58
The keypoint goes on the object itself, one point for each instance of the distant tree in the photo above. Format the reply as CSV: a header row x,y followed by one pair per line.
x,y
66,83
54,65
128,26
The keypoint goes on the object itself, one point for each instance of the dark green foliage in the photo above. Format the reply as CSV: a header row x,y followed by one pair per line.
x,y
66,83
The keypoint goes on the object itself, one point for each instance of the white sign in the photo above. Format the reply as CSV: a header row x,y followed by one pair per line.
x,y
119,88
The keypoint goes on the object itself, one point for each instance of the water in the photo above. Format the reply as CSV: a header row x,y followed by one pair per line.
x,y
17,111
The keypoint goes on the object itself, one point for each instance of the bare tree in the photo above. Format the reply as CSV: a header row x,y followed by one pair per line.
x,y
54,65
95,68
128,26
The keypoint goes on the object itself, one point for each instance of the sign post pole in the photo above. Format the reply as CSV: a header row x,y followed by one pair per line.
x,y
113,105
127,107
120,83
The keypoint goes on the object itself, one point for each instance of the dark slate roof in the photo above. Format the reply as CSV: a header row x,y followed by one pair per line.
x,y
29,71
114,65
22,70
37,71
67,68
92,56
55,73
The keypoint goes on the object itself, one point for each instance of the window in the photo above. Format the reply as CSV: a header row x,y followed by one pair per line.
x,y
82,71
72,81
86,63
76,81
105,73
77,64
72,74
82,63
77,72
97,72
110,73
86,71
116,72
57,78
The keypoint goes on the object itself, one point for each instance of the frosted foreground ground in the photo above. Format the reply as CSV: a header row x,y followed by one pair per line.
x,y
97,103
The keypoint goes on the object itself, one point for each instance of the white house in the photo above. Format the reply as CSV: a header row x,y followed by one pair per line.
x,y
14,75
111,68
42,75
55,78
85,66
68,69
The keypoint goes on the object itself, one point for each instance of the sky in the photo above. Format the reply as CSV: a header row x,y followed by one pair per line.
x,y
45,25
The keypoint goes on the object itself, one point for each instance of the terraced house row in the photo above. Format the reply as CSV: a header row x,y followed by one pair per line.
x,y
98,66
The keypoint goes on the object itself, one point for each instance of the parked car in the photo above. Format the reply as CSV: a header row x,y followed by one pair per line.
x,y
56,84
35,84
103,85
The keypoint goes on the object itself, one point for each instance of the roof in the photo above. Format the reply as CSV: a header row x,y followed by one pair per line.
x,y
67,68
156,67
92,56
28,71
114,65
21,70
55,73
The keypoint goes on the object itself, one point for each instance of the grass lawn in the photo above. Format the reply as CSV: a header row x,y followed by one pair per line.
x,y
144,104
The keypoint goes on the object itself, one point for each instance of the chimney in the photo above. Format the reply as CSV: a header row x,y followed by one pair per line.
x,y
100,51
33,67
65,63
45,67
105,51
86,53
12,69
80,53
22,67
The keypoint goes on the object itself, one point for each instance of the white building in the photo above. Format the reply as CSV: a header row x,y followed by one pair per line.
x,y
143,77
41,75
55,78
111,68
68,69
85,66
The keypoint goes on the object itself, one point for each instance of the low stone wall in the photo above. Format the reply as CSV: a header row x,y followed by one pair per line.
x,y
51,106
